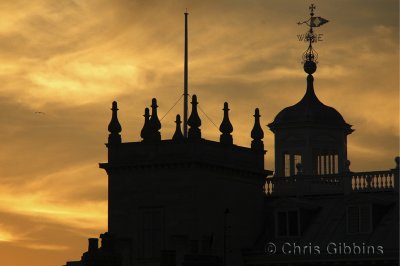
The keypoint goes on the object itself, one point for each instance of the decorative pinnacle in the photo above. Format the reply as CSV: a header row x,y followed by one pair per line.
x,y
194,121
226,127
154,122
144,133
257,134
178,133
114,127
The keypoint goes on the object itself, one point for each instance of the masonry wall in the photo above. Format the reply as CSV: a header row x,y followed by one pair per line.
x,y
186,202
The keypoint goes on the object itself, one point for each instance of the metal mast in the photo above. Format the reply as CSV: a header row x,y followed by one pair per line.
x,y
185,82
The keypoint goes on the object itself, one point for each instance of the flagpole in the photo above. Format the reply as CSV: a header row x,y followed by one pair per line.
x,y
185,82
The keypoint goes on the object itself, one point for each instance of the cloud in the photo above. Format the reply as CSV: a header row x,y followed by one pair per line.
x,y
71,59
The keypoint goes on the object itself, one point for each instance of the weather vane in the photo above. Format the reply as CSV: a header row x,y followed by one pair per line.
x,y
310,55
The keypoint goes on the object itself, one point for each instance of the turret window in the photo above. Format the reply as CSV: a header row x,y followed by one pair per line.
x,y
290,162
327,164
287,164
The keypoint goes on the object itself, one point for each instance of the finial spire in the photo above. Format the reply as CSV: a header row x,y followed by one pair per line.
x,y
154,122
178,133
194,121
145,130
114,127
185,81
257,134
226,127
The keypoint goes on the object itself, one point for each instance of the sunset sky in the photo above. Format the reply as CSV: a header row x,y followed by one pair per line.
x,y
71,58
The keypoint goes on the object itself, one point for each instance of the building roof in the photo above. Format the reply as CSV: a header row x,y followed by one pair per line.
x,y
323,223
310,110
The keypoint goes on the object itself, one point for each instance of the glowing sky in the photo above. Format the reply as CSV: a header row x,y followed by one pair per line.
x,y
71,59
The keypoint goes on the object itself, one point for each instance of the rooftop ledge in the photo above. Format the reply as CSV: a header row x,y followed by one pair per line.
x,y
186,151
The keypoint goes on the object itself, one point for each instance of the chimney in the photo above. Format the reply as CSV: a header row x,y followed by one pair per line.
x,y
93,245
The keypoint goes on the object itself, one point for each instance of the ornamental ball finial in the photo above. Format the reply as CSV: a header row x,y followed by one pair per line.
x,y
310,67
299,168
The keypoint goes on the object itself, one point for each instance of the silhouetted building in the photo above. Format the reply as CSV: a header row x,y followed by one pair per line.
x,y
189,201
173,195
318,212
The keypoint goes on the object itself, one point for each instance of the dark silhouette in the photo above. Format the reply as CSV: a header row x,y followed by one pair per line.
x,y
189,201
145,133
257,134
185,80
178,133
226,127
114,127
194,121
154,122
103,256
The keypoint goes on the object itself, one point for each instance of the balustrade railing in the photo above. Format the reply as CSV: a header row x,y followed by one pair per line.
x,y
373,181
350,182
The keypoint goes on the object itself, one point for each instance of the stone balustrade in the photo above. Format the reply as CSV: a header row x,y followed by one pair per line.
x,y
351,182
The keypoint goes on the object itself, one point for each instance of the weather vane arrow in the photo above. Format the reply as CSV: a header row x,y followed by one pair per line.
x,y
317,21
314,22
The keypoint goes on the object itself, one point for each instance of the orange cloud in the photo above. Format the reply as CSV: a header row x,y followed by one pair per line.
x,y
70,59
